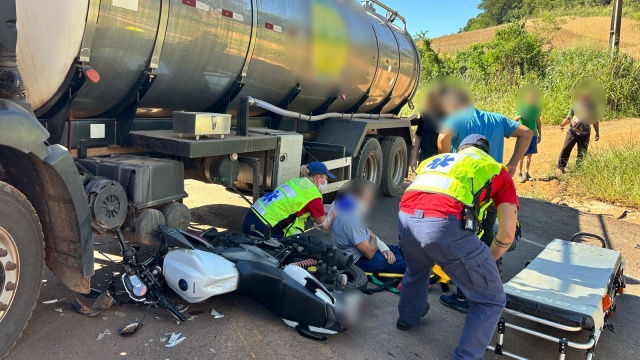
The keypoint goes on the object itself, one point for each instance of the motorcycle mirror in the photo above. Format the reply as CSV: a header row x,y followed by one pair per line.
x,y
130,329
134,327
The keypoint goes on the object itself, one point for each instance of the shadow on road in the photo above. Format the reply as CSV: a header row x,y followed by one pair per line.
x,y
217,215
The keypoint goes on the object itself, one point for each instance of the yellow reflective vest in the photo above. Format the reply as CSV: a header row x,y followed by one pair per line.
x,y
461,175
286,200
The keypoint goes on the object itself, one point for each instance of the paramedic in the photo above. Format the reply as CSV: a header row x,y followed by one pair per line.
x,y
287,208
440,214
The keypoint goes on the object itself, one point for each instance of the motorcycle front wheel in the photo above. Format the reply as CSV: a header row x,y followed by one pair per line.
x,y
356,278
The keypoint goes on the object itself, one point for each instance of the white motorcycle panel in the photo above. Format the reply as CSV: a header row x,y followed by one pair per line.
x,y
198,275
302,276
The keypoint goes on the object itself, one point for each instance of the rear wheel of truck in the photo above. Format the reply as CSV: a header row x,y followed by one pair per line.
x,y
395,160
368,163
21,264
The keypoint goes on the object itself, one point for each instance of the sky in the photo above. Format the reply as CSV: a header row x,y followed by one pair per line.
x,y
437,17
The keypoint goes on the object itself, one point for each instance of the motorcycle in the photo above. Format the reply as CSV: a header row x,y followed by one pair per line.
x,y
323,260
197,270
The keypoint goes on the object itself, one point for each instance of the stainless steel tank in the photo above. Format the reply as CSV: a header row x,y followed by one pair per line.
x,y
295,53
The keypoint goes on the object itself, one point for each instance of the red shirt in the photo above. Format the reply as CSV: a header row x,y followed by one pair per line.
x,y
315,207
503,190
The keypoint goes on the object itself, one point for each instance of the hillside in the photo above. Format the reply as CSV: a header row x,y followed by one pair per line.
x,y
573,31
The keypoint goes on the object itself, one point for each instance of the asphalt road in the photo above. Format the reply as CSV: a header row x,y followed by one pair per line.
x,y
248,331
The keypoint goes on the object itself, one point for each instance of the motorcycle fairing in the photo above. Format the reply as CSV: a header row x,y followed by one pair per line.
x,y
197,275
287,297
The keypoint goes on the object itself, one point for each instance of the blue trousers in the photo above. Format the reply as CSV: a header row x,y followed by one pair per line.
x,y
469,263
378,263
250,218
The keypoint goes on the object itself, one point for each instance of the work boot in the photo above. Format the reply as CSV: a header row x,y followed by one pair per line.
x,y
521,178
454,302
401,325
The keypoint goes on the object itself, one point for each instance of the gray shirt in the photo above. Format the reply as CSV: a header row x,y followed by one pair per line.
x,y
348,231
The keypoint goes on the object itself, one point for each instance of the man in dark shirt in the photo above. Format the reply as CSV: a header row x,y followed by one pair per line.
x,y
579,133
426,139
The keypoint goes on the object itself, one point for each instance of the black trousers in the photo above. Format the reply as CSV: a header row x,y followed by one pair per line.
x,y
569,142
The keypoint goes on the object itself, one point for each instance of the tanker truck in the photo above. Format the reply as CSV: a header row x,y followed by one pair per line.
x,y
107,106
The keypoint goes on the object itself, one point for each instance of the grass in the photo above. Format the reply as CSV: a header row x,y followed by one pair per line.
x,y
609,175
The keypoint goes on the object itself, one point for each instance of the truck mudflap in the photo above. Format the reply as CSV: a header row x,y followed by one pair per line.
x,y
47,176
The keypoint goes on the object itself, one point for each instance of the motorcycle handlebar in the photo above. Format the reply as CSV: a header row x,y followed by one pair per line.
x,y
165,304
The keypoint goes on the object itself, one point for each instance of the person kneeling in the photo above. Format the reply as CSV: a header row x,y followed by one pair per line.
x,y
351,234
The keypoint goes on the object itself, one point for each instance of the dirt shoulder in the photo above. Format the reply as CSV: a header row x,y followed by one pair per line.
x,y
549,188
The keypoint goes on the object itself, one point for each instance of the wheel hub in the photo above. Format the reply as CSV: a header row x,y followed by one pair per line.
x,y
9,271
370,171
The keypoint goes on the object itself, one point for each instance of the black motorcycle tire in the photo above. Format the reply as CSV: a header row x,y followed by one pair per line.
x,y
356,278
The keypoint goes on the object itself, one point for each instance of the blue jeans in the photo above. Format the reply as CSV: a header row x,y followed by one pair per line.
x,y
467,261
378,263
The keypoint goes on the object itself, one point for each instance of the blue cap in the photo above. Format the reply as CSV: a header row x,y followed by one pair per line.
x,y
317,167
476,140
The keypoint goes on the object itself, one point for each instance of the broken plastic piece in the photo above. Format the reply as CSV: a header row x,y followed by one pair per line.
x,y
102,303
216,315
120,314
53,301
172,344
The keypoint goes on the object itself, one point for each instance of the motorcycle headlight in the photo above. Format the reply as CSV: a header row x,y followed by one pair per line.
x,y
135,286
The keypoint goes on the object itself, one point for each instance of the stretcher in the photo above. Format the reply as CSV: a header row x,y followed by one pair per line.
x,y
569,286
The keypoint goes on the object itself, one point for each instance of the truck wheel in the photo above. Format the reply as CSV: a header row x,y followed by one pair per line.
x,y
395,160
368,163
21,264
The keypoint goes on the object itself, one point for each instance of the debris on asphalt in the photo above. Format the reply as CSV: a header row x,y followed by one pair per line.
x,y
59,310
174,340
192,317
212,350
103,334
53,301
120,314
105,318
164,339
182,308
102,303
216,315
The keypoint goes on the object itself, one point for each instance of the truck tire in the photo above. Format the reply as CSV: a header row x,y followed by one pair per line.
x,y
21,264
395,161
368,163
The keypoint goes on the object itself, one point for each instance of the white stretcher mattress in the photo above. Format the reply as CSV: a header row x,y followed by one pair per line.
x,y
565,284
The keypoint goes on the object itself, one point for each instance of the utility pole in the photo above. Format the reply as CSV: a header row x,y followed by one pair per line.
x,y
616,21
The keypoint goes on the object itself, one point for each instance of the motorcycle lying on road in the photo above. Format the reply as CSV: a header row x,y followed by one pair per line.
x,y
197,269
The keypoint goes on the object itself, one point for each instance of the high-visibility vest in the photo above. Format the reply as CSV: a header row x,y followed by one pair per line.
x,y
284,202
461,175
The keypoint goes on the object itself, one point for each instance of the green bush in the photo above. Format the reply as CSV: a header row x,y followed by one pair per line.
x,y
609,175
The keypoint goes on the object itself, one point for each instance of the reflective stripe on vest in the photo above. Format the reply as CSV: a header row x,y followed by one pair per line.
x,y
453,174
286,200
